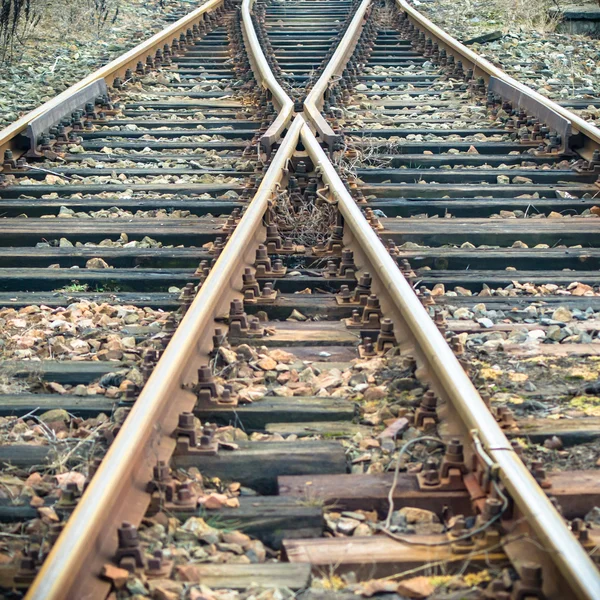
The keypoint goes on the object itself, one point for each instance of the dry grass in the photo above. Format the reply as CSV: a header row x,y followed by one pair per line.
x,y
21,20
13,382
521,15
309,224
373,154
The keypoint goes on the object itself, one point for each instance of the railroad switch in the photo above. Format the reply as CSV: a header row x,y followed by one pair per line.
x,y
253,293
367,348
581,532
393,249
275,245
69,496
373,220
586,167
386,339
405,268
186,297
504,417
12,165
203,271
539,473
333,246
530,584
238,320
346,269
232,221
240,326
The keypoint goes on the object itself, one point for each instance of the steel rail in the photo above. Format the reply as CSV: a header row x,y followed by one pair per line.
x,y
117,492
486,69
115,68
420,336
449,380
314,101
265,77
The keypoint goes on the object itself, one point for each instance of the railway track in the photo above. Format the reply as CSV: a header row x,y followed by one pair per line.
x,y
257,308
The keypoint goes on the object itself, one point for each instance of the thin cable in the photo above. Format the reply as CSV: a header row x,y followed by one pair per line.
x,y
428,438
466,536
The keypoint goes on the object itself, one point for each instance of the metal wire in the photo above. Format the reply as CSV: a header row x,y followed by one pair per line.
x,y
408,540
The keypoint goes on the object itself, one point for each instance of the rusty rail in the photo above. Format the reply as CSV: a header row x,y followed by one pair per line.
x,y
117,492
420,337
264,75
483,68
314,101
468,415
116,68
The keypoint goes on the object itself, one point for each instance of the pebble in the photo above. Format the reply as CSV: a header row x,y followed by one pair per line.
x,y
485,322
562,314
347,526
414,515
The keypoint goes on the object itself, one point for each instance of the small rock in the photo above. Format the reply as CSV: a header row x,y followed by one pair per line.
x,y
553,443
215,501
417,587
485,322
362,530
267,364
555,333
418,515
281,356
462,313
246,352
297,316
375,393
519,180
54,415
438,289
96,263
562,314
256,551
346,525
116,575
188,572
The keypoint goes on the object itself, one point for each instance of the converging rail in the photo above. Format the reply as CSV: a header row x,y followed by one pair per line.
x,y
310,298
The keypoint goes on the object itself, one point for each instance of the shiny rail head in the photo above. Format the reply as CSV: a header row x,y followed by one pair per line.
x,y
267,79
314,101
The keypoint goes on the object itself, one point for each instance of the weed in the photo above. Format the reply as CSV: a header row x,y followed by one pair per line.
x,y
74,287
